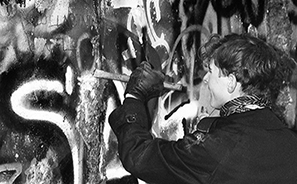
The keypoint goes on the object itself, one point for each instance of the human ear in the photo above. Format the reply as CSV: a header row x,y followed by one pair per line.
x,y
232,83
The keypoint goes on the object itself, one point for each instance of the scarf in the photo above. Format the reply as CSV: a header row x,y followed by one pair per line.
x,y
244,104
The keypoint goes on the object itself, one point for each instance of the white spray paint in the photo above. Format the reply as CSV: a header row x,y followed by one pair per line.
x,y
21,107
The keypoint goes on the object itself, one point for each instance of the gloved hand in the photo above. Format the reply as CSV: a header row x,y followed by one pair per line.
x,y
145,83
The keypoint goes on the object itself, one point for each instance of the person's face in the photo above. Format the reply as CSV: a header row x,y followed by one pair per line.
x,y
218,86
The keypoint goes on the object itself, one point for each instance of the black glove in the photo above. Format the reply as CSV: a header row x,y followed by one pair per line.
x,y
145,83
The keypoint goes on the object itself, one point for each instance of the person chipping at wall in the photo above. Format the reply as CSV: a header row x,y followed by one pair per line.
x,y
248,143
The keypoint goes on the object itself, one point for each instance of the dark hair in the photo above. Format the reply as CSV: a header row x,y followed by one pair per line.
x,y
251,60
261,68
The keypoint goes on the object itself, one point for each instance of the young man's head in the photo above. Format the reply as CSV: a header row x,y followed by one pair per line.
x,y
238,65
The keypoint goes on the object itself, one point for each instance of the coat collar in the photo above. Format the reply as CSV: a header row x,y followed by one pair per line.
x,y
261,118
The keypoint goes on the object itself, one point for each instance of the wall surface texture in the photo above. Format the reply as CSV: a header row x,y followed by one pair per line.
x,y
56,56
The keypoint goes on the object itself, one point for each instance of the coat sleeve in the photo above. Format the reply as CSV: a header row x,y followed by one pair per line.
x,y
155,160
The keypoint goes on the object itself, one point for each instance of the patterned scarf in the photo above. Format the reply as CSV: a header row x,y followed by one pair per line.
x,y
244,104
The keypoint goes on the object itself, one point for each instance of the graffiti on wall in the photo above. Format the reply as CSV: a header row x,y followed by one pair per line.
x,y
54,103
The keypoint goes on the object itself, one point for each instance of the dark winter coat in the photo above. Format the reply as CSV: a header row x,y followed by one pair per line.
x,y
251,147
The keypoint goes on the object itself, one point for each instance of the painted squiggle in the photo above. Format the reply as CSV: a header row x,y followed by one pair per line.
x,y
21,107
17,167
155,39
